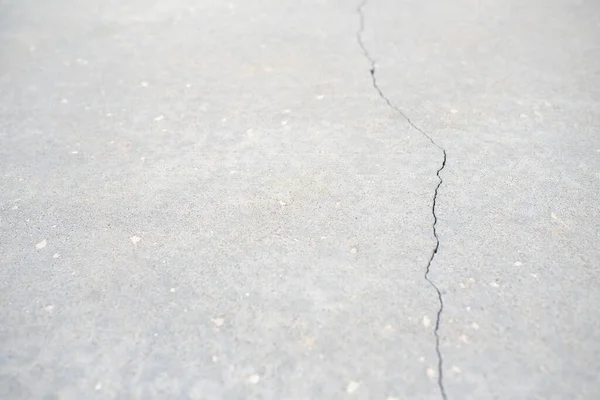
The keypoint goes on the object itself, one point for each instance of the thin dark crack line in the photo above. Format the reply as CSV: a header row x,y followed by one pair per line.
x,y
436,330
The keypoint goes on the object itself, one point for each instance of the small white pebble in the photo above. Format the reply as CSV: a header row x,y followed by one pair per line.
x,y
426,321
15,207
144,84
215,359
475,325
352,387
98,386
56,255
253,379
41,244
187,85
421,359
218,321
135,239
320,97
75,152
518,264
430,372
456,370
49,308
534,275
353,250
64,101
159,118
464,338
173,290
494,284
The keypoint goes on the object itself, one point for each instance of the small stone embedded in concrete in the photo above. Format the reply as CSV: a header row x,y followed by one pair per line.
x,y
352,387
135,239
253,379
41,244
426,321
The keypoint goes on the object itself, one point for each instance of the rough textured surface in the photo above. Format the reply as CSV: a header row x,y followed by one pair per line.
x,y
212,200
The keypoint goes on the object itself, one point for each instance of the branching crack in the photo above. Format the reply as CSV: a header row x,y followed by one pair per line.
x,y
359,38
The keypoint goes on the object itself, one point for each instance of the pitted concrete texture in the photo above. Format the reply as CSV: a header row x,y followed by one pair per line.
x,y
261,199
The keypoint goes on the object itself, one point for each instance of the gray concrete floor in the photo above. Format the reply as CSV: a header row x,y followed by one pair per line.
x,y
219,200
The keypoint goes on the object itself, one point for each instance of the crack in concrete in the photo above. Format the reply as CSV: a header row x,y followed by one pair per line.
x,y
372,69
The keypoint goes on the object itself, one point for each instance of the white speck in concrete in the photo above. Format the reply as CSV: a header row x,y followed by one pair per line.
x,y
284,122
323,237
144,84
215,359
75,152
464,338
159,118
135,239
494,284
352,387
456,370
421,359
15,207
49,308
282,203
98,386
426,321
173,290
431,372
142,158
187,85
518,264
475,325
218,321
320,97
353,250
533,275
41,244
64,101
253,379
250,132
453,111
56,255
268,69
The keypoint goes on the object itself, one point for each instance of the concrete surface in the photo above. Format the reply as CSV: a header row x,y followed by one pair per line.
x,y
218,200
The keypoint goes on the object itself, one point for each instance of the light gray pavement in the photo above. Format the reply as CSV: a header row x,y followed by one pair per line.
x,y
211,200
